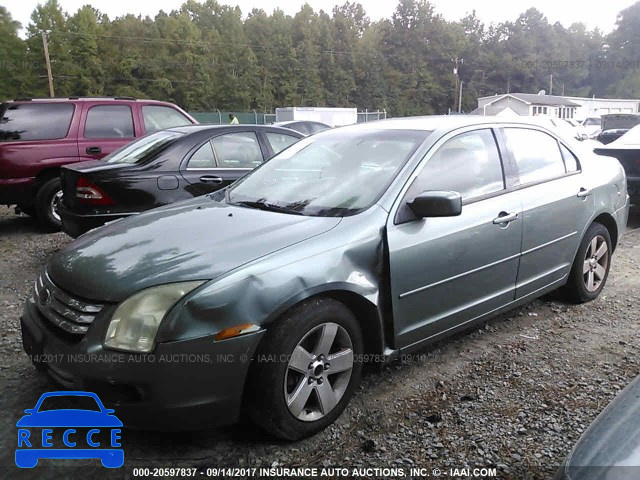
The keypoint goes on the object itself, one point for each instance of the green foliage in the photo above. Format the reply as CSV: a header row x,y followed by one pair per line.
x,y
207,56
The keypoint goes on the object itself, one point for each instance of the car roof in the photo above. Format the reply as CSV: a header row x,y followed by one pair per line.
x,y
76,100
81,99
438,122
188,129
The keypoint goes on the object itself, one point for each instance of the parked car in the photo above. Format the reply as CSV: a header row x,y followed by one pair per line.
x,y
627,150
306,127
615,125
358,243
591,126
162,168
610,447
559,126
38,136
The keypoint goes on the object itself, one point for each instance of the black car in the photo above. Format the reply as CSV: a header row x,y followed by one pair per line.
x,y
615,125
162,168
306,127
627,150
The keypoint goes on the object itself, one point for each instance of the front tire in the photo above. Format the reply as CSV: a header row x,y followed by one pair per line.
x,y
47,200
306,369
591,266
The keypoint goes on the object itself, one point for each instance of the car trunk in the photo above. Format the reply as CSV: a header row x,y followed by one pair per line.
x,y
90,171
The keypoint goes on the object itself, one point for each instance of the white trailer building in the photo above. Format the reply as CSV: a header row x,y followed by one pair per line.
x,y
331,116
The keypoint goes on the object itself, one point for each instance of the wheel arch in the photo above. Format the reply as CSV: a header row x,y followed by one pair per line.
x,y
366,312
44,176
607,220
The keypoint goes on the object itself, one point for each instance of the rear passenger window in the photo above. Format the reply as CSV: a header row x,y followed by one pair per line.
x,y
109,121
35,121
237,150
537,154
570,160
280,141
468,163
203,158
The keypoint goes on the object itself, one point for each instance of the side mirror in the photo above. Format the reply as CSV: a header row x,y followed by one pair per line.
x,y
436,204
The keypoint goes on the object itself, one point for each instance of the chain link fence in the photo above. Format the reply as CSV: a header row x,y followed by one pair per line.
x,y
219,117
368,116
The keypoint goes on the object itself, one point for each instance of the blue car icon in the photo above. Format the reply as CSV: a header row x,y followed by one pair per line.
x,y
32,447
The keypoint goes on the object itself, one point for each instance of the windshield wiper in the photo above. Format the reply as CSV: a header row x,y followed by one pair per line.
x,y
272,207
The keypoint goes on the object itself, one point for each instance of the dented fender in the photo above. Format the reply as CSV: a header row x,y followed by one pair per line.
x,y
350,260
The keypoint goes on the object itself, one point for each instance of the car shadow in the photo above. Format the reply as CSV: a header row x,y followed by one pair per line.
x,y
12,224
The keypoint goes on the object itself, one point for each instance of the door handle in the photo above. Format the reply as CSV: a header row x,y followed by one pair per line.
x,y
505,217
210,179
584,192
93,150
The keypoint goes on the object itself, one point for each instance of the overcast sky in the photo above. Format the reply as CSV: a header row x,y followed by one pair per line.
x,y
601,14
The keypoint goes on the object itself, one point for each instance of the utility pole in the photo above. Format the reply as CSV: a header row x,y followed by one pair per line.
x,y
460,98
45,45
456,61
551,84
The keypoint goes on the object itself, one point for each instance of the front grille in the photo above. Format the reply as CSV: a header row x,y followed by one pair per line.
x,y
71,314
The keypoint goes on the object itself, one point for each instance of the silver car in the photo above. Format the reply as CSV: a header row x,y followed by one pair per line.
x,y
355,244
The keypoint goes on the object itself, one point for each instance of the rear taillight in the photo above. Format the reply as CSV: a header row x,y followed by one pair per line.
x,y
88,193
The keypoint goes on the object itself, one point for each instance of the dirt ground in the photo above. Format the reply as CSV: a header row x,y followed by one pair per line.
x,y
514,394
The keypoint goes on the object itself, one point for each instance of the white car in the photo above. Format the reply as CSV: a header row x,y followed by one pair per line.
x,y
590,126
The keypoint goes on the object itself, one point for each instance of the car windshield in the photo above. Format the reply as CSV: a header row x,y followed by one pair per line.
x,y
336,173
144,149
69,402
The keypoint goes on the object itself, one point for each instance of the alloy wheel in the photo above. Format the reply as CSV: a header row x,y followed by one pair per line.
x,y
596,263
318,372
53,205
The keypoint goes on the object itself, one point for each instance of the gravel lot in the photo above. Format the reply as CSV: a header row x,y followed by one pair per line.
x,y
514,394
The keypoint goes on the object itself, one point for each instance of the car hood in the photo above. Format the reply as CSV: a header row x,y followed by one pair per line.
x,y
611,442
199,239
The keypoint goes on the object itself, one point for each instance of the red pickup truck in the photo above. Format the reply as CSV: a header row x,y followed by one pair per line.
x,y
38,136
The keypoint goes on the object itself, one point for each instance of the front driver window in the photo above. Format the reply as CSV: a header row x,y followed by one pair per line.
x,y
158,117
468,163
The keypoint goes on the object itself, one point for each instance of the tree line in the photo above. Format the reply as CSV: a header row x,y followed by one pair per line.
x,y
207,56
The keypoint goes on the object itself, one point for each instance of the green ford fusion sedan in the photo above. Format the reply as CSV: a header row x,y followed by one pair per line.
x,y
359,243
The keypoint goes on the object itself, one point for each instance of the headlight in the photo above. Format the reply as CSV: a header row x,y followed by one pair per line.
x,y
134,324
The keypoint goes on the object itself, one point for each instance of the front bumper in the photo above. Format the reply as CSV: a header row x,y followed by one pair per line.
x,y
183,385
74,224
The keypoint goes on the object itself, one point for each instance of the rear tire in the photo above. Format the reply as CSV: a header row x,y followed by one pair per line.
x,y
47,199
305,370
591,266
